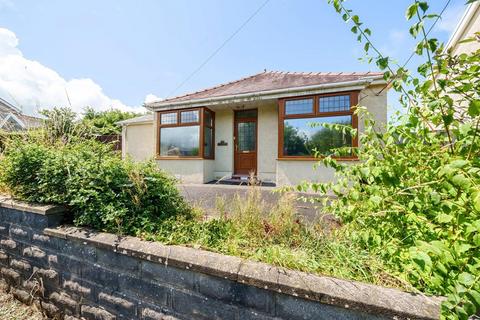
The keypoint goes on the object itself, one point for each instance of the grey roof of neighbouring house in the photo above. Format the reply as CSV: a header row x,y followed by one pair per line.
x,y
273,80
141,119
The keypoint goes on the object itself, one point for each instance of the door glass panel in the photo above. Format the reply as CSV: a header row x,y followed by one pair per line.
x,y
247,136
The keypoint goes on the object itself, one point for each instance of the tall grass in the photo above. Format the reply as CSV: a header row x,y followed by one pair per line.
x,y
251,228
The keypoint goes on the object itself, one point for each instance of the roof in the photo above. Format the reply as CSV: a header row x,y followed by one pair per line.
x,y
141,119
273,80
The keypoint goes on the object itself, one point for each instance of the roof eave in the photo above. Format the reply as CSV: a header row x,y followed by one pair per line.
x,y
270,94
461,25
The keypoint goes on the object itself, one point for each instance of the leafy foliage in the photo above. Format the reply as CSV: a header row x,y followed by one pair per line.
x,y
102,190
105,122
414,197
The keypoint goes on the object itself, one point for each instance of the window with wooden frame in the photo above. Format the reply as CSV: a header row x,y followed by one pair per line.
x,y
186,134
301,134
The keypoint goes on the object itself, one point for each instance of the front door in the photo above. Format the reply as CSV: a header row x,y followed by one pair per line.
x,y
245,142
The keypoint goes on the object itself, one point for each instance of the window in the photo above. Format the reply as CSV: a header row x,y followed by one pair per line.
x,y
186,134
303,106
301,131
208,134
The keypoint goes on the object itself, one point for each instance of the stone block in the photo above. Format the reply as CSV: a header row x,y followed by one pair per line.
x,y
65,263
34,287
11,276
119,304
117,261
153,313
94,313
237,293
65,302
153,271
4,228
144,290
10,246
196,307
4,261
79,250
289,307
21,266
51,310
78,287
23,296
99,275
19,232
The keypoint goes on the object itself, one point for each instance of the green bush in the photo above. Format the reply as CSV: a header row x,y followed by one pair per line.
x,y
101,190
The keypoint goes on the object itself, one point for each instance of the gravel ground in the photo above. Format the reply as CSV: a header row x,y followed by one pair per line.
x,y
12,309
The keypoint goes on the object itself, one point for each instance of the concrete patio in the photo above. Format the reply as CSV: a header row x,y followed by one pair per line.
x,y
206,195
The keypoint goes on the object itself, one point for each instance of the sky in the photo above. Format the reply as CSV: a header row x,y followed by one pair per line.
x,y
119,53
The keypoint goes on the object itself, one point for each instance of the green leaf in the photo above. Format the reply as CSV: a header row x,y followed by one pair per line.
x,y
474,108
422,260
476,200
411,11
461,181
444,218
423,6
474,296
459,163
466,279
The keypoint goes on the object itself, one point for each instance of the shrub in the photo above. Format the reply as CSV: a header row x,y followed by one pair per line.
x,y
101,190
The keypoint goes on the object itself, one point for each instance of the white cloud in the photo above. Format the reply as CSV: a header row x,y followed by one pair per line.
x,y
33,86
151,97
450,18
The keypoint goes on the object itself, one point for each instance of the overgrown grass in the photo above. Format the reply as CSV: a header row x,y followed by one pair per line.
x,y
250,228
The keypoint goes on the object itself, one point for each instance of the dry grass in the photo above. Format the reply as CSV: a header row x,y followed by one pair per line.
x,y
12,309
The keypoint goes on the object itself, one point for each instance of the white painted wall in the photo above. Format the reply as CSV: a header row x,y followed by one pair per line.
x,y
138,141
185,170
267,141
223,165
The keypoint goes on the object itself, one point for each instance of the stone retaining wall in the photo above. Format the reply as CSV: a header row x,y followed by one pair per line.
x,y
75,273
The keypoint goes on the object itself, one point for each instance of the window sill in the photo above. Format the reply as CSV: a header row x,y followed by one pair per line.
x,y
180,158
316,159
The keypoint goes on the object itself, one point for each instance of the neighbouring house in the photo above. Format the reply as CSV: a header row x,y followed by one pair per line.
x,y
261,124
12,119
467,27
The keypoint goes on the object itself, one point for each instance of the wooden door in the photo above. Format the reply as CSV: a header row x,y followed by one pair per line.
x,y
245,142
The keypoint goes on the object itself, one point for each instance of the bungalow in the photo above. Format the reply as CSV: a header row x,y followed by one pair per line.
x,y
260,124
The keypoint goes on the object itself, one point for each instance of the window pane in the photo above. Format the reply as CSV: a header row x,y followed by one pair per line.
x,y
335,103
208,142
299,106
245,114
208,118
247,138
180,141
189,116
300,138
168,118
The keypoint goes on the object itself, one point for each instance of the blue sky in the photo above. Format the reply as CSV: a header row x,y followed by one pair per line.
x,y
115,53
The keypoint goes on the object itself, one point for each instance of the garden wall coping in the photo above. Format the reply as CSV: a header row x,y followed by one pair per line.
x,y
327,290
42,209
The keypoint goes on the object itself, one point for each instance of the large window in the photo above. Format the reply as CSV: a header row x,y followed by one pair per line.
x,y
302,134
186,134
